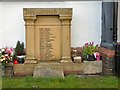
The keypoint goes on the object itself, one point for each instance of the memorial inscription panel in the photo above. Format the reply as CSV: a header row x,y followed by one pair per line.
x,y
47,38
46,44
49,43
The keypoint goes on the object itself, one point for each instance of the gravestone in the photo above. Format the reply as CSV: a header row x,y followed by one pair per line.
x,y
47,38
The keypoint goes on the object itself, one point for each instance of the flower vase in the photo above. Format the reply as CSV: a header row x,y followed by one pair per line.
x,y
91,57
97,56
21,59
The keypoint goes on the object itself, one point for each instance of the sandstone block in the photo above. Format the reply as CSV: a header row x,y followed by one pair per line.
x,y
92,67
46,69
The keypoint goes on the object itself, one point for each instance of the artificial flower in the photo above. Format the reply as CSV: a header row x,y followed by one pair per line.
x,y
6,55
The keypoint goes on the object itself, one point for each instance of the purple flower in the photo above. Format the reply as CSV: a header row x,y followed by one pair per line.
x,y
86,44
91,43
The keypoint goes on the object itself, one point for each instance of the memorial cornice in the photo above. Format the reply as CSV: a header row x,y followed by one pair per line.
x,y
31,13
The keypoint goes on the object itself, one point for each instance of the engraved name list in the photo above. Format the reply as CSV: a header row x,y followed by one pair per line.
x,y
46,44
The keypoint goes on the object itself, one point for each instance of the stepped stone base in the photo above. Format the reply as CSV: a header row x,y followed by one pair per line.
x,y
48,70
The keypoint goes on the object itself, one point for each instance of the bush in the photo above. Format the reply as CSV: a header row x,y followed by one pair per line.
x,y
19,49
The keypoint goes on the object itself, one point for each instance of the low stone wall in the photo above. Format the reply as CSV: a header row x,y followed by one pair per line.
x,y
86,67
72,68
105,66
23,69
108,66
108,59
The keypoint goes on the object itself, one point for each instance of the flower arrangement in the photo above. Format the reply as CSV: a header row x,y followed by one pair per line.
x,y
6,55
89,49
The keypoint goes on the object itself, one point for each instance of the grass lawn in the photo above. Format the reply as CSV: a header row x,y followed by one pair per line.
x,y
67,82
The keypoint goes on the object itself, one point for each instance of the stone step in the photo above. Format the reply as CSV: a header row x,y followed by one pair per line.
x,y
47,69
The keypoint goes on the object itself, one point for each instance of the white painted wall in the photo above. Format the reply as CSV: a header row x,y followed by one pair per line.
x,y
0,23
86,21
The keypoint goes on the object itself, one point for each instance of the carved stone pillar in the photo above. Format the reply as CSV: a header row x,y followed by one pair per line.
x,y
30,57
66,44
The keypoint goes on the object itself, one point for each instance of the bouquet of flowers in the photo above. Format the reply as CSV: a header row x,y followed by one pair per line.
x,y
6,55
89,49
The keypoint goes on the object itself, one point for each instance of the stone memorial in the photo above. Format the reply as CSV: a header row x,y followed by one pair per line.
x,y
47,34
47,38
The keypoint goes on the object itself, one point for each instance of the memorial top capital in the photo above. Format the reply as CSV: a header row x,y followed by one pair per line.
x,y
33,12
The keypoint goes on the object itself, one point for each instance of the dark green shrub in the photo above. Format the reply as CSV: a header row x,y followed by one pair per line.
x,y
19,49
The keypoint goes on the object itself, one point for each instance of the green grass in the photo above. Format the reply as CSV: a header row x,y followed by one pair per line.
x,y
67,82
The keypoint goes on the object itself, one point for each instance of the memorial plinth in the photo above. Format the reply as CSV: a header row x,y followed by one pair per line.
x,y
47,34
48,70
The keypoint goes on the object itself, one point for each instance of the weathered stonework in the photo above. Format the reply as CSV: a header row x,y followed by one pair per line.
x,y
48,70
108,59
106,52
66,12
108,66
58,43
94,67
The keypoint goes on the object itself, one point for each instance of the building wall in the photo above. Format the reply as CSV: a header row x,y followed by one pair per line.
x,y
86,21
0,22
118,22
